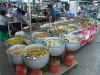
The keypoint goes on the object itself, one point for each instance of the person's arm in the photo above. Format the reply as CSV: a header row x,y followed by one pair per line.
x,y
24,20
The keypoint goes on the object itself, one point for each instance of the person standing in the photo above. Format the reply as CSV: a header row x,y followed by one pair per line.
x,y
67,12
5,8
3,21
23,19
9,9
52,13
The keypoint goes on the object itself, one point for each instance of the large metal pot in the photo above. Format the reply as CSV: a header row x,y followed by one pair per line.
x,y
72,42
38,40
13,41
15,59
37,62
56,45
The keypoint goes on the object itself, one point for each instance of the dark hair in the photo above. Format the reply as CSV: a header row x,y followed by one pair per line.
x,y
9,5
23,12
50,6
2,12
67,6
19,10
4,4
45,10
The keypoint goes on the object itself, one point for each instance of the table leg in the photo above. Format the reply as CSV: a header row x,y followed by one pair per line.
x,y
9,30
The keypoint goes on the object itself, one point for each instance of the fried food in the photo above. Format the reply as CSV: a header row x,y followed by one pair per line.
x,y
40,35
36,52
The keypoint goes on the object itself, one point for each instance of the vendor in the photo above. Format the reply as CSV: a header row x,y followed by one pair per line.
x,y
45,13
3,21
23,18
67,13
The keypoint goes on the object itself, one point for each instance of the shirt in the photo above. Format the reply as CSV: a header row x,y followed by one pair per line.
x,y
52,12
2,20
6,9
24,18
9,10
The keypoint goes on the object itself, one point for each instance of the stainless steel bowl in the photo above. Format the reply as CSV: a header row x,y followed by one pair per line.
x,y
55,45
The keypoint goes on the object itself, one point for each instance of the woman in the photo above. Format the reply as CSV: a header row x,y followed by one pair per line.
x,y
3,21
52,13
67,13
45,13
5,8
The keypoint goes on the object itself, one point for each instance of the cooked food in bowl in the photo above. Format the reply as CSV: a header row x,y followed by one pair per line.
x,y
40,35
14,41
58,31
16,52
68,29
36,52
72,40
54,42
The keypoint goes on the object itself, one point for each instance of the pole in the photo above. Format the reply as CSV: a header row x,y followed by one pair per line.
x,y
30,22
33,4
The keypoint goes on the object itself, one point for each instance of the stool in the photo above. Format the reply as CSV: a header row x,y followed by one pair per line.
x,y
3,36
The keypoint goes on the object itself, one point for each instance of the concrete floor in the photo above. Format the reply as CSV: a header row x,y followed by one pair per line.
x,y
88,57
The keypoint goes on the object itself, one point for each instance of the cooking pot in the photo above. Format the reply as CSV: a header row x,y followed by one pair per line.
x,y
15,59
55,45
13,41
72,42
38,40
35,62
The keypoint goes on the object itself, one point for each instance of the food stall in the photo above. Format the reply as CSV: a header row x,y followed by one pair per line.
x,y
67,35
54,44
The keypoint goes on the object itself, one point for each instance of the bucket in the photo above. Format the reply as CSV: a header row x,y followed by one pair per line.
x,y
54,67
69,59
21,70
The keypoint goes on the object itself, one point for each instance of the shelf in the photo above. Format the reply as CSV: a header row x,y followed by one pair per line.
x,y
63,69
